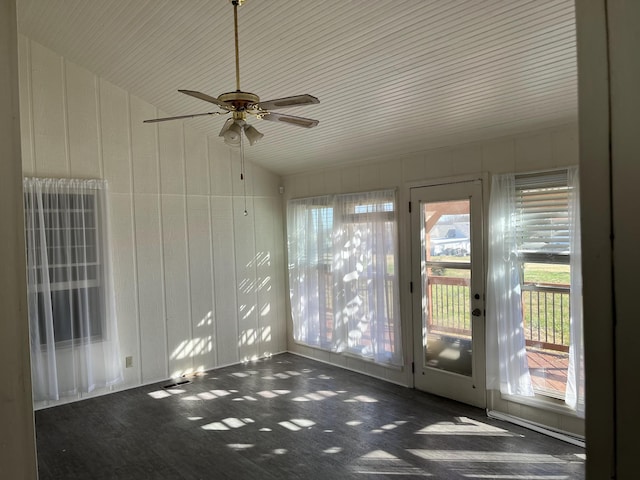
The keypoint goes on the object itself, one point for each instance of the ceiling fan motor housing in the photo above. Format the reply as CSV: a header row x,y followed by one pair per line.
x,y
240,100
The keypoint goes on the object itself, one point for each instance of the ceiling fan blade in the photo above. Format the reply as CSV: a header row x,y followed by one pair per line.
x,y
208,98
153,120
288,102
297,121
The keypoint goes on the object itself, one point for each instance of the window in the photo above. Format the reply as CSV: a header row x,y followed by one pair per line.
x,y
74,339
534,300
343,274
65,229
543,246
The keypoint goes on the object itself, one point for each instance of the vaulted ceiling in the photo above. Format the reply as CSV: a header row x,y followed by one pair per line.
x,y
393,77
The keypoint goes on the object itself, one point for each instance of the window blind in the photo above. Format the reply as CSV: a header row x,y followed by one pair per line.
x,y
542,213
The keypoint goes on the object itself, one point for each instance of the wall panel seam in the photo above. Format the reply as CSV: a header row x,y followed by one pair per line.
x,y
134,239
212,255
187,237
162,249
96,89
65,115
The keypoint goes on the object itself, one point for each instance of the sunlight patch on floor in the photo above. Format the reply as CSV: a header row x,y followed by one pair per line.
x,y
464,426
175,391
221,393
484,457
210,395
315,396
362,399
158,394
488,476
379,462
200,396
246,397
273,393
240,446
389,426
228,424
296,424
332,450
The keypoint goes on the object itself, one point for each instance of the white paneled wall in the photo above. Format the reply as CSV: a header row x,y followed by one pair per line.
x,y
550,148
198,283
545,149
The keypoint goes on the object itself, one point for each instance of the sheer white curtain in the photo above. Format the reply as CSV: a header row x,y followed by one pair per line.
x,y
574,396
343,274
310,228
364,268
507,367
74,338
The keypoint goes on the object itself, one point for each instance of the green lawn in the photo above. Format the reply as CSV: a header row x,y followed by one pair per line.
x,y
546,273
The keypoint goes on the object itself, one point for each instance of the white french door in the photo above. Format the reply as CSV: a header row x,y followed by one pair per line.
x,y
448,291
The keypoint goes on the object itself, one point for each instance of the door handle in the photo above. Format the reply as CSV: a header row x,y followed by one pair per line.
x,y
476,312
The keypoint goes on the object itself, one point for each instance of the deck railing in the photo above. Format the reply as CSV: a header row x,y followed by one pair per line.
x,y
448,305
325,306
545,308
546,315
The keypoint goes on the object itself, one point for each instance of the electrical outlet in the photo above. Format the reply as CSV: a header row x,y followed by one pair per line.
x,y
128,362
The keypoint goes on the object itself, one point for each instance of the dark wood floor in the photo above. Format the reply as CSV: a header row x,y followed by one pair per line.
x,y
289,417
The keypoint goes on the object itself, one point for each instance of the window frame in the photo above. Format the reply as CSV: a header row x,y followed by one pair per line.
x,y
346,211
531,181
77,287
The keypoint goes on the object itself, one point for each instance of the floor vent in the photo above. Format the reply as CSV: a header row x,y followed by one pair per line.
x,y
177,384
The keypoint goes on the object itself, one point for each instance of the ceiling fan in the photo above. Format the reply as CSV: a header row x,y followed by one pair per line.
x,y
240,103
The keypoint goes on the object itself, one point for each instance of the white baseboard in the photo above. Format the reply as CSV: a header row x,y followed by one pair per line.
x,y
559,434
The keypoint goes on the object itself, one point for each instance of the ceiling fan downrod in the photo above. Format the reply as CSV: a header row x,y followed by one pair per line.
x,y
236,4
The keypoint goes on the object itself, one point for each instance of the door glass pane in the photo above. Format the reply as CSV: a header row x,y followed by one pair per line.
x,y
447,231
446,280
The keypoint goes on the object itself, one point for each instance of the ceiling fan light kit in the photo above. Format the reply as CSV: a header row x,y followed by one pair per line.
x,y
233,134
252,134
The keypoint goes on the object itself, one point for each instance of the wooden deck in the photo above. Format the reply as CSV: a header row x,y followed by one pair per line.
x,y
548,370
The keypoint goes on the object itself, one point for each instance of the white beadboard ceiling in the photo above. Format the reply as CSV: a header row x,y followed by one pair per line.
x,y
393,77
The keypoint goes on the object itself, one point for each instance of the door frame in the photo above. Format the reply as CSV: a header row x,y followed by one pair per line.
x,y
415,321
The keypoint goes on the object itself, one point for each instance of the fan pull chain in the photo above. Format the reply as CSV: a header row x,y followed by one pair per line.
x,y
244,183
